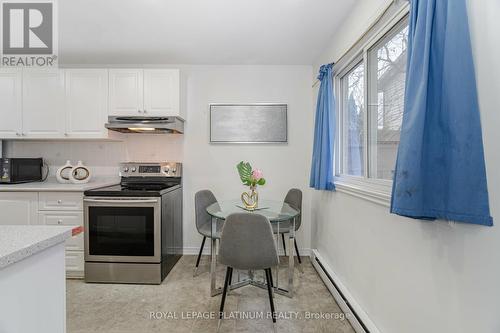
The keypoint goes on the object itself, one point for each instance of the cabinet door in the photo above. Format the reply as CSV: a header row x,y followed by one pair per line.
x,y
43,104
19,207
10,103
74,243
74,264
161,92
126,92
60,201
86,103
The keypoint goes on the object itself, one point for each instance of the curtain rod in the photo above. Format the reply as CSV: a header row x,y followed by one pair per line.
x,y
388,5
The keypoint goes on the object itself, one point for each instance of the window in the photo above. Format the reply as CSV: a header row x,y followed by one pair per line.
x,y
371,89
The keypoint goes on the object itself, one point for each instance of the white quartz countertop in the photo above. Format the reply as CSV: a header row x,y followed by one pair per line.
x,y
51,184
18,242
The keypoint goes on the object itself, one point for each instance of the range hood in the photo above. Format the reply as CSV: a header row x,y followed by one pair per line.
x,y
153,125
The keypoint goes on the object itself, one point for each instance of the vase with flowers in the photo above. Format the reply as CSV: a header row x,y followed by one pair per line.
x,y
250,177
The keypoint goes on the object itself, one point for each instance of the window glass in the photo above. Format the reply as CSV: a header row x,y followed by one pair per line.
x,y
386,88
354,134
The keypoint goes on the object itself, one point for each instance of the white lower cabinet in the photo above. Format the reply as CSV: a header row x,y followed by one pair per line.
x,y
65,218
74,263
18,208
65,208
70,201
48,208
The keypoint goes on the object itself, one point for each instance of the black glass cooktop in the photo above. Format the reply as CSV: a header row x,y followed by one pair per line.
x,y
136,189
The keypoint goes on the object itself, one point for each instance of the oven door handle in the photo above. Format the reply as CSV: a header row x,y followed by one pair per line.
x,y
124,201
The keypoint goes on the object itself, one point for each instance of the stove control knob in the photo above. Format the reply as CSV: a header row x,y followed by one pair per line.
x,y
133,169
125,169
174,170
166,169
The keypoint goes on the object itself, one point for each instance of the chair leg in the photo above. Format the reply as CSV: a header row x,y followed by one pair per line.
x,y
199,255
230,281
229,272
270,292
284,243
271,277
297,250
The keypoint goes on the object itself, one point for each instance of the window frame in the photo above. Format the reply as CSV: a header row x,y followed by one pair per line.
x,y
373,189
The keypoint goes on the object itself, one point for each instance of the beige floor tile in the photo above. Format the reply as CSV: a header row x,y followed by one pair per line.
x,y
182,304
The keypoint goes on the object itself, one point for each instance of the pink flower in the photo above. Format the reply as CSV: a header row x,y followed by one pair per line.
x,y
257,174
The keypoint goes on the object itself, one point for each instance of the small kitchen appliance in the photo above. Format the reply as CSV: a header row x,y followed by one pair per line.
x,y
21,170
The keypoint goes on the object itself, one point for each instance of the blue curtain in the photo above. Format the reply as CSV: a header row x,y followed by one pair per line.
x,y
324,133
440,169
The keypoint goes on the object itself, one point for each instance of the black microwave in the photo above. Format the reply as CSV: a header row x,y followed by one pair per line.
x,y
20,170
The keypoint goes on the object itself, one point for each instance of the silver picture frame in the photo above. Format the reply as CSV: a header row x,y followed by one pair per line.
x,y
248,123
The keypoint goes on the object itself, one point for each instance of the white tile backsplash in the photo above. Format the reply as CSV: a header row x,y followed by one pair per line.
x,y
101,156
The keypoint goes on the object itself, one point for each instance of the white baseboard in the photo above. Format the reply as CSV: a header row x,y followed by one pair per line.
x,y
189,250
356,315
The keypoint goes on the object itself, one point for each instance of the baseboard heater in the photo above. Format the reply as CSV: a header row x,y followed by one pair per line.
x,y
356,322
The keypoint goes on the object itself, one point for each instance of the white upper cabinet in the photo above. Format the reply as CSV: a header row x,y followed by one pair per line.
x,y
126,89
43,104
161,92
11,103
148,92
74,103
86,103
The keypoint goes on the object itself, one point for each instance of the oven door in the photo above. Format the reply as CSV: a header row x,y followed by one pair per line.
x,y
122,229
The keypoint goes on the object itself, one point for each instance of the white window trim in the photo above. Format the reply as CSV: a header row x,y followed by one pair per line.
x,y
374,190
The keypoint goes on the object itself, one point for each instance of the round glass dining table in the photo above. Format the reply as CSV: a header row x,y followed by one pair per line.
x,y
278,213
275,211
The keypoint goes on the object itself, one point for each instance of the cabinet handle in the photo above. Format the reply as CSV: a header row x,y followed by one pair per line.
x,y
18,134
59,201
59,221
144,111
139,111
23,134
65,134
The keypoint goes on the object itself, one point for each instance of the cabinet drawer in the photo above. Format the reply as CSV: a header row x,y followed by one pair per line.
x,y
60,201
65,218
74,262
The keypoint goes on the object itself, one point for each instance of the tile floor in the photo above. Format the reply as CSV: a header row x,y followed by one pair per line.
x,y
181,302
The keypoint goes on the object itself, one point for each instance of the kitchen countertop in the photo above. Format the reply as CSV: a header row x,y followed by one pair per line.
x,y
51,185
18,242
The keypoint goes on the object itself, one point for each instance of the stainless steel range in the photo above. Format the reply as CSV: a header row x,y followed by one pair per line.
x,y
133,231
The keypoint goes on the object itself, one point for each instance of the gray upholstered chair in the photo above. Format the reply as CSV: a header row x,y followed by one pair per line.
x,y
203,199
247,243
294,199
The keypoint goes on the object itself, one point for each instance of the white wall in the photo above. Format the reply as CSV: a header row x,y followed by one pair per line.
x,y
408,275
214,166
206,165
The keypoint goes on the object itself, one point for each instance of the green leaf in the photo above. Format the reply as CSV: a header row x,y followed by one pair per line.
x,y
245,171
261,181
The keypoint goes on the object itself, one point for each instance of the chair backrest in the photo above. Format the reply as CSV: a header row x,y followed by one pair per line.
x,y
203,199
294,199
247,242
